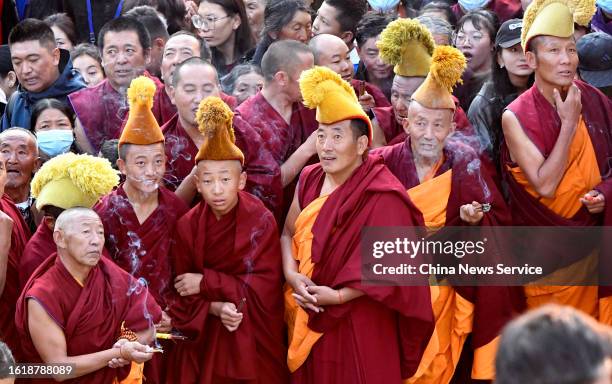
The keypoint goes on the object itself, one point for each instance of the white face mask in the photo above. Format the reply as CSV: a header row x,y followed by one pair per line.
x,y
383,5
605,5
471,5
55,141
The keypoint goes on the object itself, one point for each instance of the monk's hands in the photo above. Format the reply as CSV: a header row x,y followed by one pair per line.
x,y
325,295
303,298
367,102
188,283
6,230
471,213
165,325
130,351
594,201
570,109
228,313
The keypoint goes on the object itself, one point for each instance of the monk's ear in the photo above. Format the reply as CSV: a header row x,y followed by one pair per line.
x,y
59,239
171,91
362,144
121,166
49,222
147,56
347,36
532,61
242,181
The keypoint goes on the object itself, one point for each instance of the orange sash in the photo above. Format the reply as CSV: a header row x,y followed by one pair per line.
x,y
431,198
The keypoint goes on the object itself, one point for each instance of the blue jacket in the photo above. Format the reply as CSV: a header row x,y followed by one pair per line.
x,y
20,111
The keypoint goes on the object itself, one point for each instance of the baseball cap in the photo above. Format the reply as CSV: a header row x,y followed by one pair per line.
x,y
595,55
509,33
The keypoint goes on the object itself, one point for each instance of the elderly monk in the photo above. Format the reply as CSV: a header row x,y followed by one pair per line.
x,y
64,182
352,333
228,265
80,308
558,142
332,52
449,185
408,45
13,237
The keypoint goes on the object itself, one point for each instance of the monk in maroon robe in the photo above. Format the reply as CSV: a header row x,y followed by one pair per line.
x,y
77,303
226,256
19,235
39,247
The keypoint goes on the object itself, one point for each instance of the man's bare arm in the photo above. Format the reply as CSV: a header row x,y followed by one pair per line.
x,y
6,230
294,164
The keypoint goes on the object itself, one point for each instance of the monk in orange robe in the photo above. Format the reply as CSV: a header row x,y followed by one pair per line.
x,y
227,263
340,330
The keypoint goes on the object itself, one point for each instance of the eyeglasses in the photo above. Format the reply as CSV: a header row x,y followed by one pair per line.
x,y
206,23
461,38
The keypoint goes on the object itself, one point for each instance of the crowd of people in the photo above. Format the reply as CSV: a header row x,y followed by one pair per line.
x,y
185,185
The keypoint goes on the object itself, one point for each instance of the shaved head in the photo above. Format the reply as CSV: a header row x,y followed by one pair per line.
x,y
18,131
285,56
71,217
326,45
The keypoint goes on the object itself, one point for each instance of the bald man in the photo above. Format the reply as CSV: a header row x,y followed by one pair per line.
x,y
332,52
18,149
75,304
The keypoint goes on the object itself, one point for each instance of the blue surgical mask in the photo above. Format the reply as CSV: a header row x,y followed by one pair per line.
x,y
471,5
605,5
383,5
55,141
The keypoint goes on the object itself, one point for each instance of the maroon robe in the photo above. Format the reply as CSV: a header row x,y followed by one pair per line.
x,y
8,298
102,111
38,248
142,250
493,306
239,257
379,337
504,9
394,132
541,123
379,97
165,110
91,315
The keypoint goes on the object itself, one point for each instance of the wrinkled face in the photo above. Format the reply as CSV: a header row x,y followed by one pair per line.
x,y
338,149
52,118
401,95
35,64
299,28
144,166
369,55
327,21
428,130
82,240
293,87
18,151
177,49
89,68
2,177
334,54
476,46
196,82
123,58
61,39
255,14
219,182
247,85
555,61
218,26
514,60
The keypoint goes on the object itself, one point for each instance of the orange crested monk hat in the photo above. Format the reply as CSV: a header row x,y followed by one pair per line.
x,y
447,66
141,127
214,120
334,98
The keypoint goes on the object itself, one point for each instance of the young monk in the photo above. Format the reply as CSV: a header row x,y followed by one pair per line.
x,y
351,333
228,265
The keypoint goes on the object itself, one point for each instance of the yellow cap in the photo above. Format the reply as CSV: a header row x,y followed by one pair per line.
x,y
215,120
555,18
408,45
69,180
141,127
334,98
447,66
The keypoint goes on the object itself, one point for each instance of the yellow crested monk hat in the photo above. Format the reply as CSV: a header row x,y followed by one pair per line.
x,y
69,180
141,127
555,18
408,45
334,98
447,66
214,120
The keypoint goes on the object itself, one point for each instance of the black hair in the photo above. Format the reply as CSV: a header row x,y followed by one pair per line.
x,y
32,29
174,11
282,56
349,13
109,150
44,104
360,128
191,61
481,19
371,25
63,22
123,24
86,49
500,78
205,53
228,82
149,17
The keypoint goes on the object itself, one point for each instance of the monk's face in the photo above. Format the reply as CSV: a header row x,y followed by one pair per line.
x,y
18,151
555,60
339,150
177,49
123,57
334,54
428,130
219,182
82,240
143,166
195,83
401,94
